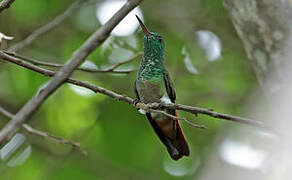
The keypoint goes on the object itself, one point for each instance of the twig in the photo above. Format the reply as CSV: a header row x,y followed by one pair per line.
x,y
47,27
147,108
45,135
119,97
65,72
5,4
49,64
111,69
178,118
56,139
210,112
5,112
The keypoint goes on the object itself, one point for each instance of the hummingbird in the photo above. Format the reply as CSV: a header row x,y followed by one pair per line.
x,y
153,85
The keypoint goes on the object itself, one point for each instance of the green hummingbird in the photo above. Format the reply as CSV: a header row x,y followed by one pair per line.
x,y
153,84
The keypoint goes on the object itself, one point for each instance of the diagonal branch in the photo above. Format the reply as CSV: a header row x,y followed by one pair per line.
x,y
148,107
65,72
56,139
54,23
115,66
5,112
45,135
112,69
5,4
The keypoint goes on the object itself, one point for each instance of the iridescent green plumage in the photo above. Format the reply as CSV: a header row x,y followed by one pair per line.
x,y
153,84
152,61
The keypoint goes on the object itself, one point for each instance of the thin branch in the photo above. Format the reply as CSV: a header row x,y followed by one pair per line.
x,y
115,66
49,64
146,107
178,118
65,72
45,135
5,112
47,27
210,112
5,4
56,139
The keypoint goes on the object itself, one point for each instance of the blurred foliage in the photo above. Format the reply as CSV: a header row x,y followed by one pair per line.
x,y
119,140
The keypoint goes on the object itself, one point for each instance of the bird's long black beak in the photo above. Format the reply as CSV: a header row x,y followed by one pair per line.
x,y
145,30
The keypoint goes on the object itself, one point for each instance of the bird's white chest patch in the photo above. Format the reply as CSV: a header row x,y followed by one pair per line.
x,y
142,111
165,99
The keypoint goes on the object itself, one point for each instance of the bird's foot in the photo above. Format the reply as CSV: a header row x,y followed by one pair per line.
x,y
136,101
162,105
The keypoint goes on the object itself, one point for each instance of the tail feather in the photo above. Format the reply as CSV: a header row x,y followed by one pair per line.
x,y
171,136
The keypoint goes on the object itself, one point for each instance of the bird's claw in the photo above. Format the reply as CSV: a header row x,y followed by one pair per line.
x,y
161,105
136,101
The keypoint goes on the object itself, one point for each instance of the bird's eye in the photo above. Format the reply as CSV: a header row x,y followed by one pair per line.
x,y
159,38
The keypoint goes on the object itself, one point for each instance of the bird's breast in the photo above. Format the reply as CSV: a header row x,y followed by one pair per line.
x,y
150,91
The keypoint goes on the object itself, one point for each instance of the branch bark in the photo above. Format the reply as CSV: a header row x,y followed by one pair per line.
x,y
148,107
5,4
65,72
264,26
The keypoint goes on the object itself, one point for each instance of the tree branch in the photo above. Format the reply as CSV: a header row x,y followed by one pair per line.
x,y
65,72
47,27
5,4
56,139
111,69
147,107
210,112
49,64
45,135
5,112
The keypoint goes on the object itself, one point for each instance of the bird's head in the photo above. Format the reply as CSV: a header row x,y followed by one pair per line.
x,y
153,42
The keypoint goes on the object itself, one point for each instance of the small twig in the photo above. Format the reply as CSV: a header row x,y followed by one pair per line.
x,y
47,27
212,113
119,97
5,112
178,118
49,64
45,135
5,4
148,108
56,139
111,69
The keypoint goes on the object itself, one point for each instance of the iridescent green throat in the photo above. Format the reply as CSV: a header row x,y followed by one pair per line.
x,y
152,66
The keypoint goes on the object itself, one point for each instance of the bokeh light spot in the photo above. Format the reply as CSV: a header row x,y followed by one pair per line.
x,y
16,151
127,26
183,167
210,43
242,154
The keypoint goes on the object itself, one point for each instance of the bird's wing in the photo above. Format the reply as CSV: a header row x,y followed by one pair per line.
x,y
169,87
136,91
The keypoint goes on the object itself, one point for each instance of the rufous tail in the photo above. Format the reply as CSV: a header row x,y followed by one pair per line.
x,y
171,135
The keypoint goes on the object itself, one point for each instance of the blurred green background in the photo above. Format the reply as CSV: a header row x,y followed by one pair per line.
x,y
119,141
